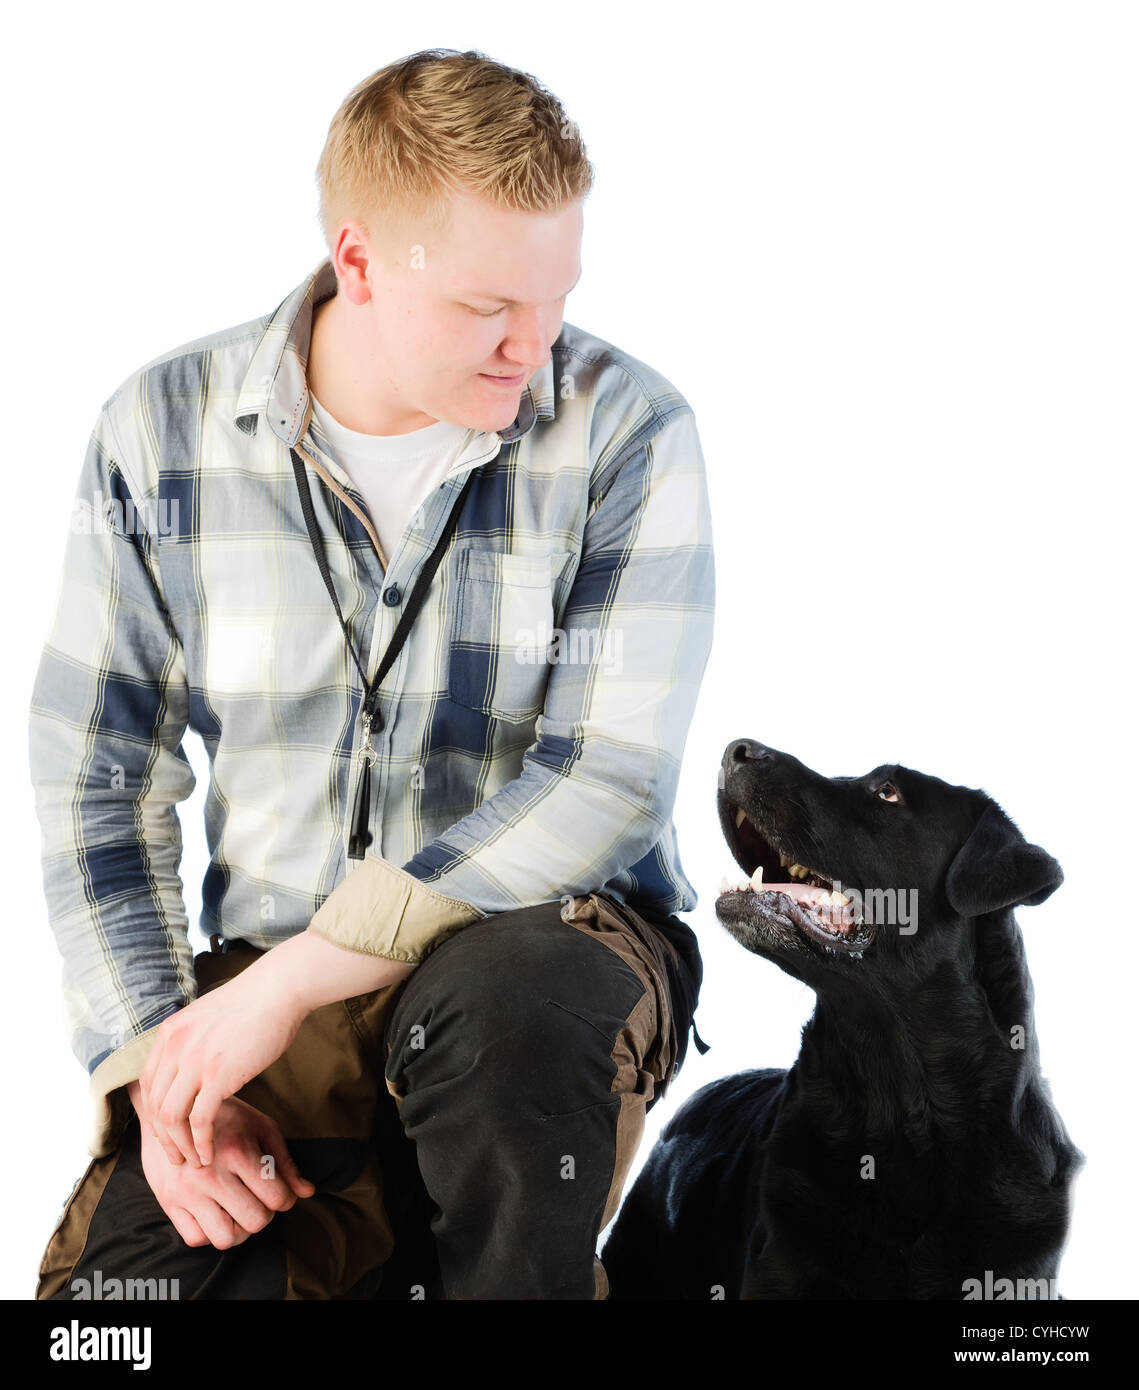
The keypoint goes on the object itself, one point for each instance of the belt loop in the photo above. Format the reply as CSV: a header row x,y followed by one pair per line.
x,y
218,944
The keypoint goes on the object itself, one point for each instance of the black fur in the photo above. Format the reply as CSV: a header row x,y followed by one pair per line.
x,y
920,1059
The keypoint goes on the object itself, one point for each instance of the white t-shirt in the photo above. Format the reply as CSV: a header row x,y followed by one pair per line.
x,y
394,472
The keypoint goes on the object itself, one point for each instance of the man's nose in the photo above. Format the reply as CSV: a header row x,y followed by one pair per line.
x,y
529,338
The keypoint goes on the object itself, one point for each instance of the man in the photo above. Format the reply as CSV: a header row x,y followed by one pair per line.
x,y
443,873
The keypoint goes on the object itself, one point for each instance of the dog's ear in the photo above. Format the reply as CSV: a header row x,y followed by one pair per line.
x,y
996,867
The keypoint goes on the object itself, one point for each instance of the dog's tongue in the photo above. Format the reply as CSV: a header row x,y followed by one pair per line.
x,y
801,892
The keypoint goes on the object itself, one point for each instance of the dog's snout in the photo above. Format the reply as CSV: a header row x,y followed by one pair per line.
x,y
746,750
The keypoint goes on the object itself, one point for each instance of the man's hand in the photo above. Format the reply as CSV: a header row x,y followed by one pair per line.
x,y
207,1051
212,1047
236,1195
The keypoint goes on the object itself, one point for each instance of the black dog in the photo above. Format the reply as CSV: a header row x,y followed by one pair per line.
x,y
912,1151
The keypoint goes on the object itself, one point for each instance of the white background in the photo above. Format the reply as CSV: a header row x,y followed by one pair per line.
x,y
886,250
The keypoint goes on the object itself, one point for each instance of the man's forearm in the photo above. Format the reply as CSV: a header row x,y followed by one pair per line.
x,y
301,975
312,971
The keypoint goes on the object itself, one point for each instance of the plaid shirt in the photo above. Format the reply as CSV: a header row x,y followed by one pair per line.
x,y
533,723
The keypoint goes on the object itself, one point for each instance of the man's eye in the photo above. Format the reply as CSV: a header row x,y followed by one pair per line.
x,y
887,792
486,314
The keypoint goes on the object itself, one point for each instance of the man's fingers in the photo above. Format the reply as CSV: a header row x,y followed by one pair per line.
x,y
175,1109
176,1135
202,1115
187,1227
169,1148
269,1172
292,1175
158,1075
245,1206
220,1229
275,1148
289,1171
169,1123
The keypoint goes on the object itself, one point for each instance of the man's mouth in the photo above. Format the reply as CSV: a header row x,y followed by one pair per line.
x,y
805,898
506,382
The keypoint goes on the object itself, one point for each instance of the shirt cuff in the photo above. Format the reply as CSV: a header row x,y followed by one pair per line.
x,y
111,1107
382,910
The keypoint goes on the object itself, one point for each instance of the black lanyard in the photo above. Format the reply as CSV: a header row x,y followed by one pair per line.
x,y
371,720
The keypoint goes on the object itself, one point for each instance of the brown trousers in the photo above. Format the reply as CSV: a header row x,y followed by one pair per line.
x,y
564,1017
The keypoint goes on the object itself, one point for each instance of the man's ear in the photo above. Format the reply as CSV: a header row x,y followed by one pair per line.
x,y
996,867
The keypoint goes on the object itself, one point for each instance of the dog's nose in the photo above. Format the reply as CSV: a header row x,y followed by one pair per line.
x,y
746,750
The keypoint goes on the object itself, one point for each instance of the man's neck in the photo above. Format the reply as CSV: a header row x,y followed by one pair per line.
x,y
343,369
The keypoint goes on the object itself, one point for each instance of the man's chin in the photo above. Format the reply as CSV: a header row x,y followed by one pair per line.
x,y
491,418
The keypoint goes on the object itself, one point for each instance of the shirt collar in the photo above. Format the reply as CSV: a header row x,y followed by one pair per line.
x,y
275,386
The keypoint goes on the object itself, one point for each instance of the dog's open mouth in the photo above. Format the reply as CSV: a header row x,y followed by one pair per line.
x,y
785,892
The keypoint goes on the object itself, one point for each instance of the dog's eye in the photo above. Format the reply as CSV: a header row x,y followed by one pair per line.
x,y
886,791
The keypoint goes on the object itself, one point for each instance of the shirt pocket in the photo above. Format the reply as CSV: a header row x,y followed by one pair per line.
x,y
500,636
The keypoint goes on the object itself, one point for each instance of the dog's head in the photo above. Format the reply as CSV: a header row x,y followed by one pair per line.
x,y
864,877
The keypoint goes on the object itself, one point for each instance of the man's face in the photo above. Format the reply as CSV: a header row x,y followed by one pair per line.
x,y
462,319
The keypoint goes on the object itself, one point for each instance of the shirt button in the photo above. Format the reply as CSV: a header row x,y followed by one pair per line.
x,y
392,595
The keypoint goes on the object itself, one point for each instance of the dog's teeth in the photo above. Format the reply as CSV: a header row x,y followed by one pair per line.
x,y
783,861
797,871
741,816
724,885
757,880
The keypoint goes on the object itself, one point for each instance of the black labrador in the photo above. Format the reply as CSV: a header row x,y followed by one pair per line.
x,y
912,1151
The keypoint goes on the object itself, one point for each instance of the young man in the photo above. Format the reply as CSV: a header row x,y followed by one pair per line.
x,y
443,873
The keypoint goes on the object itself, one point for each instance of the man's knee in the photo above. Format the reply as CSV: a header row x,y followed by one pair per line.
x,y
522,1005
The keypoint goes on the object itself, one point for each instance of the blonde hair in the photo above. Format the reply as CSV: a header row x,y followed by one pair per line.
x,y
439,121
